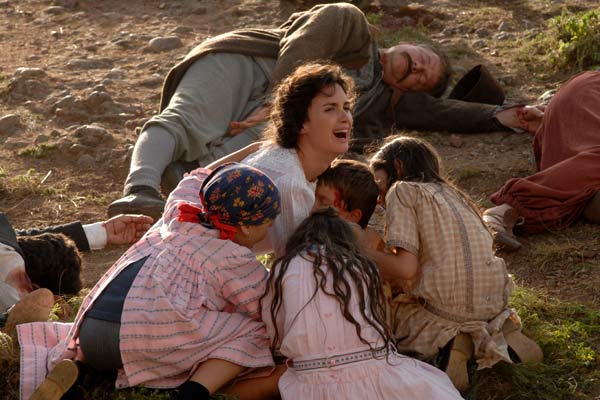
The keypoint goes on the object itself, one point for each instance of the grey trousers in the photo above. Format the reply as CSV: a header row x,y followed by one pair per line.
x,y
99,342
215,90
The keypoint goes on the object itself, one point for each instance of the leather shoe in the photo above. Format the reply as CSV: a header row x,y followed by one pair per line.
x,y
141,200
58,382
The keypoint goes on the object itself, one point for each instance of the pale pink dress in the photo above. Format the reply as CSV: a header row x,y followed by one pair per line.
x,y
315,328
195,297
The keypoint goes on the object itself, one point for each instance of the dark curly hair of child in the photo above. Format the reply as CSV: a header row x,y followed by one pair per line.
x,y
329,240
52,261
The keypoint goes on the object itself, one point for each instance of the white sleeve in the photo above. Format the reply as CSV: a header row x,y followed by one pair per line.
x,y
96,235
297,199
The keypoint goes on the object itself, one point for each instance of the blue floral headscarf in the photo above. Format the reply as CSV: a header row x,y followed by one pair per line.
x,y
234,195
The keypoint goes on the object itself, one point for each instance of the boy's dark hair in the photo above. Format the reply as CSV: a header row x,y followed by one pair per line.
x,y
52,261
355,183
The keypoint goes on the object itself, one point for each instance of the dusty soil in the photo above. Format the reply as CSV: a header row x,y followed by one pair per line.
x,y
91,62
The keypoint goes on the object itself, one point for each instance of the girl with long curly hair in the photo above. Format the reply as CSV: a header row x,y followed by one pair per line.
x,y
325,312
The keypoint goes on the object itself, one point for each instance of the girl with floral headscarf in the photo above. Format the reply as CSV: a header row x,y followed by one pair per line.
x,y
179,308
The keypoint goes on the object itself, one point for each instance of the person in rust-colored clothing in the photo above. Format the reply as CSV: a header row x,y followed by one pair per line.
x,y
567,153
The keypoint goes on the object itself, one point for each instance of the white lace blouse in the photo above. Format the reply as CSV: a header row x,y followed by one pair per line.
x,y
297,194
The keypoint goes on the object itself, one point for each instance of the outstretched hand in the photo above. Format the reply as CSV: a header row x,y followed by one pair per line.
x,y
258,116
530,117
126,228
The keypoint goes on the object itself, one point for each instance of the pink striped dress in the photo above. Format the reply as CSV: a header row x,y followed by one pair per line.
x,y
195,297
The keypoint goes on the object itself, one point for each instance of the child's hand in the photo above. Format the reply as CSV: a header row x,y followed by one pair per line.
x,y
126,228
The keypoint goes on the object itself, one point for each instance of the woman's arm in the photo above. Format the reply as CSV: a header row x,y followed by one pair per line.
x,y
236,156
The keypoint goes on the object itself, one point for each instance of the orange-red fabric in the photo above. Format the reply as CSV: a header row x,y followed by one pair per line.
x,y
567,152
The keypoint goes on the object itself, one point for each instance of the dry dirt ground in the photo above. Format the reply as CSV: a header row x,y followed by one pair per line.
x,y
70,64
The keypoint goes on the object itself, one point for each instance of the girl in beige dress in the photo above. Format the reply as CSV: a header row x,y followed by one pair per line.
x,y
448,286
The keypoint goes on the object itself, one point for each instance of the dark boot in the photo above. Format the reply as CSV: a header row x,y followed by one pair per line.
x,y
138,200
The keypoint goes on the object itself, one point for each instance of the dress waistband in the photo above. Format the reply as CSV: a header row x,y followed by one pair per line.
x,y
340,359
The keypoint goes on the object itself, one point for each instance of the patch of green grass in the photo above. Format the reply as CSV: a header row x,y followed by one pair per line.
x,y
569,334
391,38
465,173
40,151
578,39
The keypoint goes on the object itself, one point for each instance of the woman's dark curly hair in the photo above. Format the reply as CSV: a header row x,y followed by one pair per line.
x,y
52,261
295,94
329,241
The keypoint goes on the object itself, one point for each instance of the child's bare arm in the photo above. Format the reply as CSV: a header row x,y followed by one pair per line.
x,y
403,265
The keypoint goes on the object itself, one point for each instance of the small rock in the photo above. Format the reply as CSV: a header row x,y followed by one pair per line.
x,y
154,81
589,253
116,73
29,73
182,30
507,80
546,96
82,63
482,32
478,43
66,3
456,141
41,139
504,36
55,10
504,26
199,11
91,135
166,43
13,144
21,89
86,161
10,124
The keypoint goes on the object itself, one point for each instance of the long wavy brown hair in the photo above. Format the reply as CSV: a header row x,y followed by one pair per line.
x,y
329,241
295,94
420,163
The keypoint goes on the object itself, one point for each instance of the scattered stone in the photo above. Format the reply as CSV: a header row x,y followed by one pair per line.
x,y
504,36
182,30
154,81
23,89
482,32
507,80
92,135
504,26
82,63
55,133
55,10
478,43
166,43
116,73
66,3
29,73
13,144
10,124
41,139
456,141
86,161
546,96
